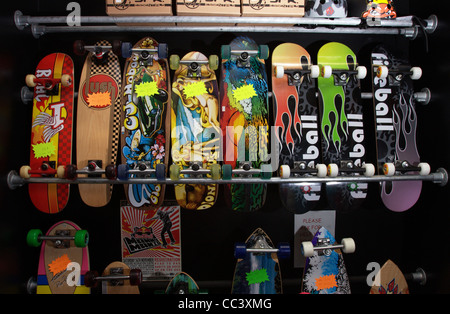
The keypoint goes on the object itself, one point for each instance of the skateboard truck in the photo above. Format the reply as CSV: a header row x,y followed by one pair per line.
x,y
244,56
341,77
295,75
146,55
389,169
115,278
50,84
396,77
47,169
325,248
141,169
196,170
260,247
302,168
348,167
61,239
246,170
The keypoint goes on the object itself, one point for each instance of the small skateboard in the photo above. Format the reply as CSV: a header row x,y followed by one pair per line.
x,y
257,268
145,121
244,121
182,283
297,125
117,278
326,9
389,280
63,261
380,9
396,126
51,131
98,117
195,128
325,271
342,124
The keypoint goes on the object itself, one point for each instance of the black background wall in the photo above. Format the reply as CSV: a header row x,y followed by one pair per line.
x,y
416,238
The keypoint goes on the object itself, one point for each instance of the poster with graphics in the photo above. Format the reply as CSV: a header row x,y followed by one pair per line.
x,y
151,240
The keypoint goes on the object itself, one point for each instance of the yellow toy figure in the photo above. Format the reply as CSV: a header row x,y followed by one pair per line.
x,y
381,9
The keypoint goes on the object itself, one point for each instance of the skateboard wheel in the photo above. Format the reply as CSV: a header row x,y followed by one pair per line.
x,y
111,172
361,72
78,47
327,71
25,172
122,171
284,250
174,62
369,170
240,250
285,171
389,169
263,52
127,48
117,47
227,172
66,80
279,71
333,170
215,171
135,277
81,238
321,170
90,280
416,73
29,80
225,51
307,249
33,237
315,71
163,51
425,168
70,172
382,72
348,245
160,171
213,62
174,172
266,171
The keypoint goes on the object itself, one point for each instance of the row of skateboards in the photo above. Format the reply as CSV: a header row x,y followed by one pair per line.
x,y
64,267
318,126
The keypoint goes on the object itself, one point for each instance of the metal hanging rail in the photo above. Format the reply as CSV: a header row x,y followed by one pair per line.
x,y
439,177
406,26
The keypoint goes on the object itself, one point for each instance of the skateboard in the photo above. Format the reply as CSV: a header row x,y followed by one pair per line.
x,y
396,126
195,128
325,271
342,125
380,9
63,261
98,117
145,121
389,280
257,268
51,131
117,278
326,9
244,121
182,283
296,125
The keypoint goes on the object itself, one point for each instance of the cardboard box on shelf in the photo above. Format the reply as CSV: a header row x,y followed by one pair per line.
x,y
208,8
139,8
285,8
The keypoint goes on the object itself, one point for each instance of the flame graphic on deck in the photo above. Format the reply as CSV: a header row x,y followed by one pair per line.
x,y
405,125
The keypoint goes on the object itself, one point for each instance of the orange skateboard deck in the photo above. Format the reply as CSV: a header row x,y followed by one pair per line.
x,y
51,132
98,117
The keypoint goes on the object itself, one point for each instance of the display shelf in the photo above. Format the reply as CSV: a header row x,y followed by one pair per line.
x,y
407,26
439,177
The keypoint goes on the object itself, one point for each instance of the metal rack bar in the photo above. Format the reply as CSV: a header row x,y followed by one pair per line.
x,y
439,177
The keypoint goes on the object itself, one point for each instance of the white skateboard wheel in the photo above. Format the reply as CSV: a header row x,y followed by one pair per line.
x,y
361,72
66,80
382,71
416,73
285,171
333,170
279,71
327,71
321,170
61,172
389,169
425,168
29,80
307,249
24,172
369,170
348,245
315,71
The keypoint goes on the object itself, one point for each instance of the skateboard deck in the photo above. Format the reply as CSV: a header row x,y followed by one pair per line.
x,y
296,124
145,120
325,272
396,126
244,119
390,280
51,132
257,273
118,286
326,9
60,260
182,283
342,126
380,9
195,128
98,117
